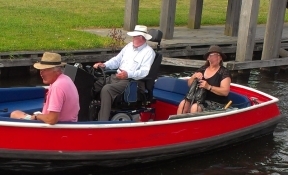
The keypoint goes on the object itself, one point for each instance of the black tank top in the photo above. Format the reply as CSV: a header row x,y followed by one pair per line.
x,y
215,80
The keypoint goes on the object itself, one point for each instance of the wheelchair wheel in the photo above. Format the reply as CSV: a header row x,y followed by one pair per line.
x,y
121,117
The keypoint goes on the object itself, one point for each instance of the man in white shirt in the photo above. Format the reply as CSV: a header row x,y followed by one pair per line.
x,y
133,62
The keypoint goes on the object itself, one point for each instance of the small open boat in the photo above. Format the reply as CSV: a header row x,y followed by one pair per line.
x,y
160,134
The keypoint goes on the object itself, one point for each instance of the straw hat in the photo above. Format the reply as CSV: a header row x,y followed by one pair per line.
x,y
215,49
140,30
49,60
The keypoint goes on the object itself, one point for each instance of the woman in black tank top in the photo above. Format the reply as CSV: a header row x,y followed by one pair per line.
x,y
214,78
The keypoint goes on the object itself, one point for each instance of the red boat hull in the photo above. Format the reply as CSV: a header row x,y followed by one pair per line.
x,y
111,143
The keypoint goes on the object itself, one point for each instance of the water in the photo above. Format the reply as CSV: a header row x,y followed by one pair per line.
x,y
265,155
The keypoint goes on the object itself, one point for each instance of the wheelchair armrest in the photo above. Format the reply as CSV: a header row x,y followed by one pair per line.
x,y
110,71
146,79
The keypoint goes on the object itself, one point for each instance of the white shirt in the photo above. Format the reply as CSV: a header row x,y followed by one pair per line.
x,y
135,61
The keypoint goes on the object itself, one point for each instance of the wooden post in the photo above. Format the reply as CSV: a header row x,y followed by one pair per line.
x,y
131,14
195,14
232,17
247,30
167,18
274,28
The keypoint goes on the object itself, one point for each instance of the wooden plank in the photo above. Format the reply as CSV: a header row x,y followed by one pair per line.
x,y
176,50
257,64
231,65
198,114
283,52
182,62
169,49
232,17
195,14
179,50
131,14
167,18
61,52
247,30
69,59
274,28
194,51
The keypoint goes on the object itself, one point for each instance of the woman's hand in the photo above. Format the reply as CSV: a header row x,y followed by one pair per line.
x,y
204,84
197,75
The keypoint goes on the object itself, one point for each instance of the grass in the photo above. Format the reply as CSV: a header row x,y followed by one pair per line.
x,y
56,24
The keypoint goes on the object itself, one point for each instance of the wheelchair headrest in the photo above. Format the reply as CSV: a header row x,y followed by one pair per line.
x,y
156,35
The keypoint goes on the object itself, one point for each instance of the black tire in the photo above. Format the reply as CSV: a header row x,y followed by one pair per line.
x,y
121,117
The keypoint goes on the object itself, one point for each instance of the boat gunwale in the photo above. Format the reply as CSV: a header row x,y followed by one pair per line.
x,y
108,124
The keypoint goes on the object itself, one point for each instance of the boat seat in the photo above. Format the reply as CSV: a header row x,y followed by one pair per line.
x,y
170,90
238,100
149,81
173,91
26,99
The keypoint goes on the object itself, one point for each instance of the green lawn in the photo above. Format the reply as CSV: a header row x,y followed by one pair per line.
x,y
56,24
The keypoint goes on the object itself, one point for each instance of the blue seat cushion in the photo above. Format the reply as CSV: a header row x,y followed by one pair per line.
x,y
171,90
169,97
238,100
21,93
171,84
26,99
27,106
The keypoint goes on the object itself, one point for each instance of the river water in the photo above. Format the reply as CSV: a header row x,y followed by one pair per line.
x,y
265,155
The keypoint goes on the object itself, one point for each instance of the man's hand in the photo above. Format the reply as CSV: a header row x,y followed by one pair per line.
x,y
122,74
96,65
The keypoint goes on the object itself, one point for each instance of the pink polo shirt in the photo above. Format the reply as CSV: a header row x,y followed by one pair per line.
x,y
63,97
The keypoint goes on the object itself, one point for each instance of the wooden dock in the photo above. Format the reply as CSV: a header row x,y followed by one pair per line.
x,y
241,21
185,49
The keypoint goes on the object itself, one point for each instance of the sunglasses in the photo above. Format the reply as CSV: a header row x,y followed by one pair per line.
x,y
213,54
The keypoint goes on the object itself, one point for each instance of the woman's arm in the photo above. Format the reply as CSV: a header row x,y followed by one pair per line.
x,y
224,88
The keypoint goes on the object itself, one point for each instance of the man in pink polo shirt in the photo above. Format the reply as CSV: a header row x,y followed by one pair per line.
x,y
62,100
